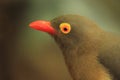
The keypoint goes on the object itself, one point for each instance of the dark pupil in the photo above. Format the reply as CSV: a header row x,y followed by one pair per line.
x,y
65,29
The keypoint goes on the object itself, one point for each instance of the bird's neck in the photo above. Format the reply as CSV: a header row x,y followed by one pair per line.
x,y
77,61
72,65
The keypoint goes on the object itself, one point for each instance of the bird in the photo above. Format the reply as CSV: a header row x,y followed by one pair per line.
x,y
90,52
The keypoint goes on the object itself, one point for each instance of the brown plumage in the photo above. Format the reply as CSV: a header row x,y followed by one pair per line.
x,y
90,53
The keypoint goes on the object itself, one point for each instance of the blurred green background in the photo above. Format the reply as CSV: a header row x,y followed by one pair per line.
x,y
34,55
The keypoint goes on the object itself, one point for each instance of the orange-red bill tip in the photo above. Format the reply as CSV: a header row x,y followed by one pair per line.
x,y
44,26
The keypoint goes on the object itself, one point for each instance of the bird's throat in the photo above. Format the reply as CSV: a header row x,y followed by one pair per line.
x,y
79,64
72,63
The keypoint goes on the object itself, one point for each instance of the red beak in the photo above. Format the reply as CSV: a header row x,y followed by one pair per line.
x,y
44,26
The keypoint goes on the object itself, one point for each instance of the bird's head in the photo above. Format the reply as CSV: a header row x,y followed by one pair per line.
x,y
67,30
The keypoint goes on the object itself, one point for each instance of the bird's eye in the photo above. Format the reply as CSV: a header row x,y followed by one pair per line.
x,y
65,28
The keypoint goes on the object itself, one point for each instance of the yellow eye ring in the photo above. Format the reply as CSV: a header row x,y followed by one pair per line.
x,y
65,28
